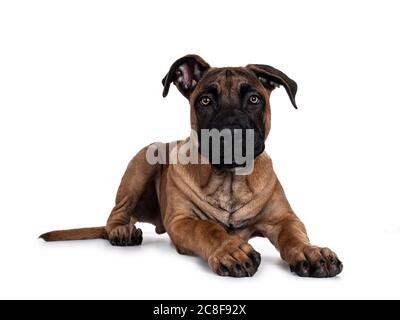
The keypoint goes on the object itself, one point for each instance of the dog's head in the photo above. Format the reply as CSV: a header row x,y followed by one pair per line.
x,y
229,98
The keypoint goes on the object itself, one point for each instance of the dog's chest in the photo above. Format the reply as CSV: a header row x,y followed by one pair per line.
x,y
227,191
230,199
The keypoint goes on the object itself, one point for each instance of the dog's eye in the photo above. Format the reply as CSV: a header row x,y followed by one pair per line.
x,y
205,101
254,99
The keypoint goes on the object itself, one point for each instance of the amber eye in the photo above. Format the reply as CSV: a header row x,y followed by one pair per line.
x,y
205,101
254,99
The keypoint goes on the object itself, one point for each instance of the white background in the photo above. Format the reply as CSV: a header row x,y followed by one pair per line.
x,y
80,94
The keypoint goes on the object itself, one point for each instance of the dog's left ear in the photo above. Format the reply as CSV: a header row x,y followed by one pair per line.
x,y
272,78
185,73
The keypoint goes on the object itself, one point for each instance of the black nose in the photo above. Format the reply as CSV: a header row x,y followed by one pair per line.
x,y
232,120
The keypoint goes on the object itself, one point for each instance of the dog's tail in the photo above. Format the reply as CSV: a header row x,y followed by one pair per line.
x,y
76,234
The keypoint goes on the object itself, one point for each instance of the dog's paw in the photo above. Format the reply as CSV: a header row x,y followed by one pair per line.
x,y
316,262
126,235
235,258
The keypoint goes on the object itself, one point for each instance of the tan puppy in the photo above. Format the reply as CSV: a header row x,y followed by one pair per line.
x,y
208,209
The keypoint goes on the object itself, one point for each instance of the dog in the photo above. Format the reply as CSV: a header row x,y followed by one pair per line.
x,y
207,209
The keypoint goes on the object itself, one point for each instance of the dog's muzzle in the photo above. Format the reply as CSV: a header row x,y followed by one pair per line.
x,y
233,140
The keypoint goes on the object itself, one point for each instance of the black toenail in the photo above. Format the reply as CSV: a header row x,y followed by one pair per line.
x,y
223,269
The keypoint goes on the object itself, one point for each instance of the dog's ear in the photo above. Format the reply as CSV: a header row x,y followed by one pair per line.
x,y
272,78
185,73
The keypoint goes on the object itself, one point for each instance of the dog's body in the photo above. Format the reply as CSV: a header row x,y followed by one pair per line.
x,y
209,210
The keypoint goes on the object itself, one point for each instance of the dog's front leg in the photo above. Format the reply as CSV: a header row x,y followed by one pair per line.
x,y
226,255
303,258
120,226
285,230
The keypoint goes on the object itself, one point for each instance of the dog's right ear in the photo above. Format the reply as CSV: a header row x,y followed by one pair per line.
x,y
185,73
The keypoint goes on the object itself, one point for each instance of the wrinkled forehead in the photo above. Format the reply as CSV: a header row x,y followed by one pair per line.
x,y
226,81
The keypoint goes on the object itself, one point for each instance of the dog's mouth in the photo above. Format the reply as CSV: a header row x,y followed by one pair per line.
x,y
231,147
228,165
